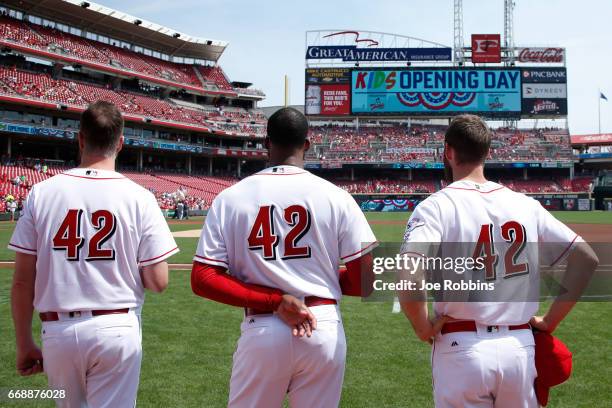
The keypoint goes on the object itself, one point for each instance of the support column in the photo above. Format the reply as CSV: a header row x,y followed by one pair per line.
x,y
210,166
189,164
352,174
57,70
57,153
9,146
524,173
139,160
116,83
410,174
571,172
238,167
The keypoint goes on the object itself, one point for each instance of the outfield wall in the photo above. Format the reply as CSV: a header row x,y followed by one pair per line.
x,y
407,202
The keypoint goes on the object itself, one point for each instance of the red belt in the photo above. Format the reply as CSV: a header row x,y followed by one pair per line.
x,y
54,316
470,326
309,301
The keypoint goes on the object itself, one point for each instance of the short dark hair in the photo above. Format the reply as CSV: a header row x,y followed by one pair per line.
x,y
470,137
287,127
101,127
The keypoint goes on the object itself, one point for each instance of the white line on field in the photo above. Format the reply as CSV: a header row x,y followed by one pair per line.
x,y
396,305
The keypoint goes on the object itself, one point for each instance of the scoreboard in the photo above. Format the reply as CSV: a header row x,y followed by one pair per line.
x,y
439,91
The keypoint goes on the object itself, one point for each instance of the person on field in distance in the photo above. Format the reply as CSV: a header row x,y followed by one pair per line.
x,y
483,355
282,233
88,244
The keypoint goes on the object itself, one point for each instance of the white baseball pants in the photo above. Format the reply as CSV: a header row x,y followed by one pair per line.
x,y
96,360
484,369
270,363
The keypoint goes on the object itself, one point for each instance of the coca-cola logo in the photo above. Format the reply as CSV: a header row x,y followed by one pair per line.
x,y
545,106
544,55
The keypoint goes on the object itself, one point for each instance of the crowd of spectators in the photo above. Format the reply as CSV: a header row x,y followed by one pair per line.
x,y
50,39
41,86
424,143
386,186
181,202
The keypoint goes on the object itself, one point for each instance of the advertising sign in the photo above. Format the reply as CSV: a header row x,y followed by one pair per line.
x,y
584,204
538,91
328,91
544,107
328,99
541,55
486,48
328,75
436,91
598,139
350,53
544,75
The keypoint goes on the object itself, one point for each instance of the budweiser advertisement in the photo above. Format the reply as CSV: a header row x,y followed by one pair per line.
x,y
328,99
486,48
544,107
540,55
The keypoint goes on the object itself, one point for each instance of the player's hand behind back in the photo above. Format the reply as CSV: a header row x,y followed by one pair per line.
x,y
296,315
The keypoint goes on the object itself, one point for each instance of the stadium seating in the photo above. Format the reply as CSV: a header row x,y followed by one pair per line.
x,y
425,143
198,191
41,86
53,40
532,186
202,187
19,32
32,176
215,75
386,186
578,184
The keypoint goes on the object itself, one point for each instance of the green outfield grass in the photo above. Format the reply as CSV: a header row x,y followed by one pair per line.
x,y
570,217
188,343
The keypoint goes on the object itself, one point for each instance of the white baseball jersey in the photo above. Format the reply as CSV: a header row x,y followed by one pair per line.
x,y
91,230
499,223
285,228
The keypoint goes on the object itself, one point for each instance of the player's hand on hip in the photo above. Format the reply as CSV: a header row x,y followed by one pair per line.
x,y
29,360
297,316
540,323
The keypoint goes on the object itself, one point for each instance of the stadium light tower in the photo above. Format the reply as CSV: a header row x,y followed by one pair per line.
x,y
458,26
509,30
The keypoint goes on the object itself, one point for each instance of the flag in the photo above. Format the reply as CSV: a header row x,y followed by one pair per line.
x,y
602,96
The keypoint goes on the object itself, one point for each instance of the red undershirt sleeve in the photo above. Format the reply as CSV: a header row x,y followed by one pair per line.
x,y
351,277
212,282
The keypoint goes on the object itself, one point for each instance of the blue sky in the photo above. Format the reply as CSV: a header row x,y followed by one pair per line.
x,y
266,37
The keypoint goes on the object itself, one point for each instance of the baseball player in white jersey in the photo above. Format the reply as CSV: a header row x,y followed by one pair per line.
x,y
484,355
282,233
88,244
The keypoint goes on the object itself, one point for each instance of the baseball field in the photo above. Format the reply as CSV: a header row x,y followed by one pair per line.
x,y
188,341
